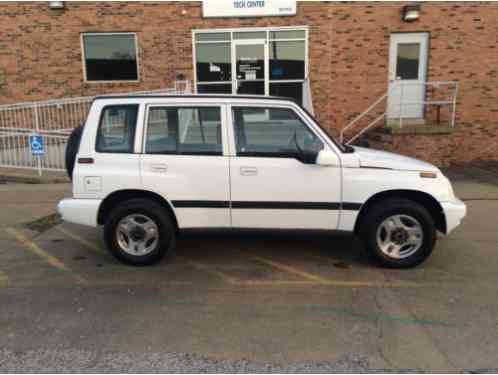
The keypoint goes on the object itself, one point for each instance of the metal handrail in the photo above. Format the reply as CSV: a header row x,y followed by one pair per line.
x,y
41,103
401,104
53,120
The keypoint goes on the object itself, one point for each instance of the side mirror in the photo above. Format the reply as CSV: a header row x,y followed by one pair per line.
x,y
307,157
327,158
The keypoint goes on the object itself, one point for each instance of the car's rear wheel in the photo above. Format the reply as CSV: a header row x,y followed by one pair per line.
x,y
399,233
139,232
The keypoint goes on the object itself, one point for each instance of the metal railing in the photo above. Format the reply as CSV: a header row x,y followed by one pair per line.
x,y
437,94
53,120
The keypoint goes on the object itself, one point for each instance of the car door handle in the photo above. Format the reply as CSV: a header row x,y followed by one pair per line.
x,y
248,171
159,168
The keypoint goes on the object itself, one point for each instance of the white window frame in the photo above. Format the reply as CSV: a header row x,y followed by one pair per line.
x,y
231,31
83,57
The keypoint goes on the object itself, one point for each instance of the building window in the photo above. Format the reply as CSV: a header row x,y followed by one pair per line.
x,y
266,61
213,62
110,57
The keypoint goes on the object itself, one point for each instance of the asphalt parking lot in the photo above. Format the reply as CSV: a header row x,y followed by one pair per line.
x,y
272,303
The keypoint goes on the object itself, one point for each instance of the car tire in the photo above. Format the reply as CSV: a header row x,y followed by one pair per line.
x,y
72,147
398,233
139,232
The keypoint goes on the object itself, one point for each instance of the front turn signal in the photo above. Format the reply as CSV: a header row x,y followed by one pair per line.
x,y
428,174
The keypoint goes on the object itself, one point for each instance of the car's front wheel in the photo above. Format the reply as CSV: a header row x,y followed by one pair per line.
x,y
399,233
139,232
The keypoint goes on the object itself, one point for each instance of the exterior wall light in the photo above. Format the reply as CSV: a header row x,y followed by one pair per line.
x,y
410,13
56,4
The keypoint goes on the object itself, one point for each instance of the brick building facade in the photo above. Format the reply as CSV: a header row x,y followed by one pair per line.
x,y
347,59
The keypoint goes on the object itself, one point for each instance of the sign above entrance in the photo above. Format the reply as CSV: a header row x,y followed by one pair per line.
x,y
248,8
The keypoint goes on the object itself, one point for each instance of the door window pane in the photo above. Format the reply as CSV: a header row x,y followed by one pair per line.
x,y
293,90
287,60
188,131
408,60
251,87
250,61
250,35
210,37
272,132
116,132
214,88
110,57
213,62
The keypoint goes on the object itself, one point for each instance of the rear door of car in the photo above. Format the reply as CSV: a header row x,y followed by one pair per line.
x,y
184,159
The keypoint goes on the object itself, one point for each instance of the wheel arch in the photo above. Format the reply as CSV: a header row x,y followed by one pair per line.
x,y
122,195
424,199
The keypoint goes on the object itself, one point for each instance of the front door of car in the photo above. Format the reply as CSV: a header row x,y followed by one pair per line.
x,y
274,179
184,161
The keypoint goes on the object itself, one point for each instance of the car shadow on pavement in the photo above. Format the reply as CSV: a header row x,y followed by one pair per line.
x,y
342,250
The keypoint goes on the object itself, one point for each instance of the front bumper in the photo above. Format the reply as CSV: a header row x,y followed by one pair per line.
x,y
79,211
454,212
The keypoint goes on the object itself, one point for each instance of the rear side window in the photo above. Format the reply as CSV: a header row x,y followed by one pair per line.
x,y
116,132
186,131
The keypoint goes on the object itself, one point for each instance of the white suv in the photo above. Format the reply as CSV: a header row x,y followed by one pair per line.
x,y
148,168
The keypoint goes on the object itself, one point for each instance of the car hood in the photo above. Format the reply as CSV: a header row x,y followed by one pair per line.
x,y
382,159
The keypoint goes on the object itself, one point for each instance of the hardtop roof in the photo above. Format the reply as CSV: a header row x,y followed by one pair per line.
x,y
203,96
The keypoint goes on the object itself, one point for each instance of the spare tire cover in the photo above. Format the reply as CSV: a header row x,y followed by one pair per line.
x,y
73,144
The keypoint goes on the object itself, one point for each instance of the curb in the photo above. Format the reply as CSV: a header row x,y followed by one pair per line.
x,y
23,179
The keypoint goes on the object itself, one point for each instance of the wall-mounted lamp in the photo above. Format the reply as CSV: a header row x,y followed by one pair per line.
x,y
410,12
56,4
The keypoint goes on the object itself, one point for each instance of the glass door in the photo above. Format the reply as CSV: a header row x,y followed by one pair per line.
x,y
250,63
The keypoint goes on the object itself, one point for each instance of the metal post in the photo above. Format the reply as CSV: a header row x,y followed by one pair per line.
x,y
400,105
453,111
37,127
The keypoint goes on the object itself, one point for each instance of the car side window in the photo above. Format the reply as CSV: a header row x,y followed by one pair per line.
x,y
184,130
272,132
116,133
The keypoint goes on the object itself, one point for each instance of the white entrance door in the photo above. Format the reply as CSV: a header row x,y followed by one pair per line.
x,y
407,74
250,64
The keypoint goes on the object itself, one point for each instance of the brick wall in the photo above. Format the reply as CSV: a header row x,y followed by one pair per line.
x,y
40,58
463,47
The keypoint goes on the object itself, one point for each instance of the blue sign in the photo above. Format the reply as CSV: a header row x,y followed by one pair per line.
x,y
36,144
277,71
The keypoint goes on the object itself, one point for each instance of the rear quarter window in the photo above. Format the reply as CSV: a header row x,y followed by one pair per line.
x,y
116,132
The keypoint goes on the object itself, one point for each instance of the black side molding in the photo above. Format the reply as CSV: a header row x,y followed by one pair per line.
x,y
268,205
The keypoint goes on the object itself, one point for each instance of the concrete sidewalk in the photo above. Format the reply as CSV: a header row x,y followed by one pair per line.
x,y
31,176
474,181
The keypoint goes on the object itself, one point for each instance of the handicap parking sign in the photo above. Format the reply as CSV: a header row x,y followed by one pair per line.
x,y
36,144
